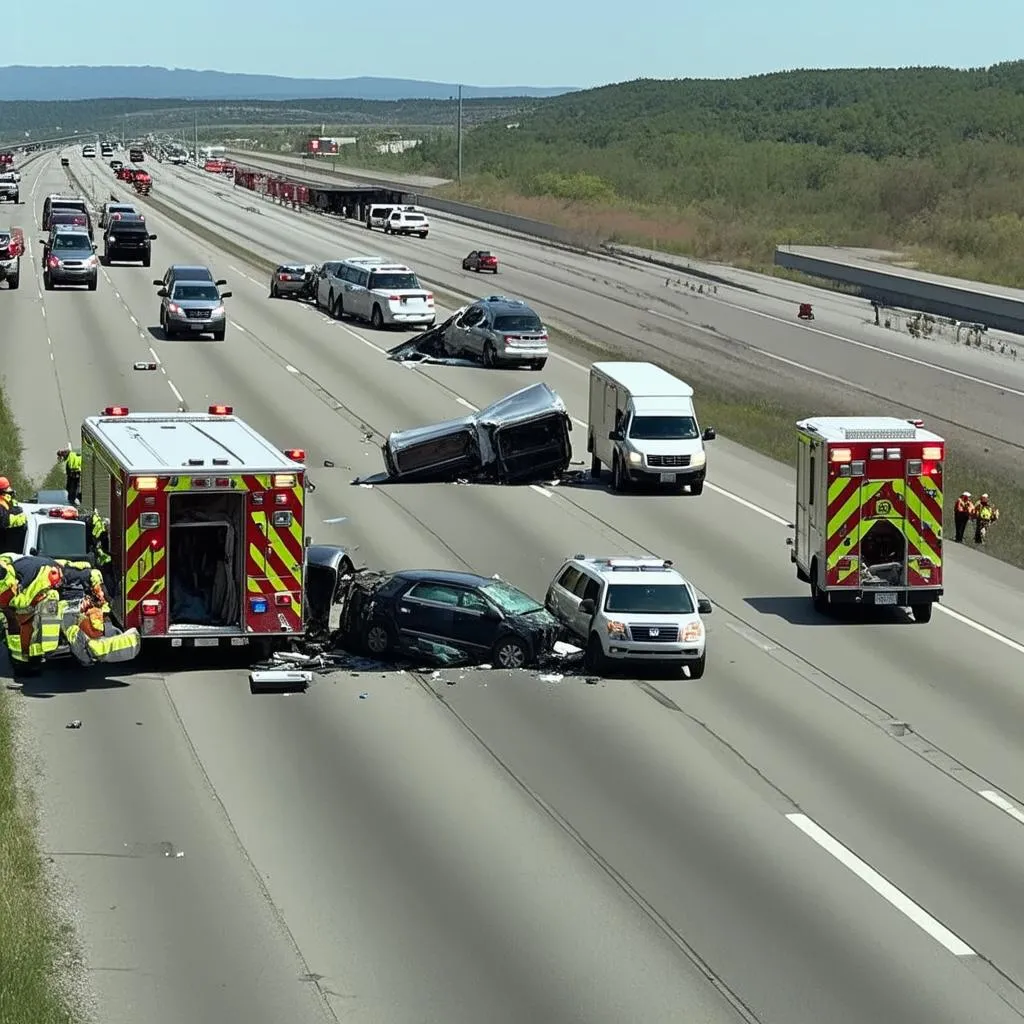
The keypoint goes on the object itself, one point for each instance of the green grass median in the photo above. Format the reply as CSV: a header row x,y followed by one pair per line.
x,y
31,939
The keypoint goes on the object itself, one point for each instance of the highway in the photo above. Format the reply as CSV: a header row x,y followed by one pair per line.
x,y
766,844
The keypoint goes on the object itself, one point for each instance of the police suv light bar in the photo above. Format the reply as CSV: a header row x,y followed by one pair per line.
x,y
220,410
116,410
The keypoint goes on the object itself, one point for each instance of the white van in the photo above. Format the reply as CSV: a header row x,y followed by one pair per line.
x,y
398,220
643,426
386,293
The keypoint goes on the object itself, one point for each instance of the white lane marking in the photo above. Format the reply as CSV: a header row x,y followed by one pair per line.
x,y
579,422
237,326
133,320
43,311
177,394
1003,804
468,405
569,362
984,630
751,637
746,504
290,368
152,352
900,900
960,375
542,491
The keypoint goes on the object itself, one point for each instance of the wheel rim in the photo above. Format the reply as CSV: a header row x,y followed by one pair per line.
x,y
378,319
377,639
511,655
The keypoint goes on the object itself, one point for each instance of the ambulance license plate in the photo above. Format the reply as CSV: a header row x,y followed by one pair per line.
x,y
889,598
667,478
207,641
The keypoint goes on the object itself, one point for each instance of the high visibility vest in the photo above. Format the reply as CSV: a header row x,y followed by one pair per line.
x,y
986,513
963,505
73,463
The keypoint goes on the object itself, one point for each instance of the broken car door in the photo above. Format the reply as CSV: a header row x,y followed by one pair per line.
x,y
428,610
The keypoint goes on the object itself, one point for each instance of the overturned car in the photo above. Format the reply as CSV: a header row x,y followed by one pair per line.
x,y
451,618
521,437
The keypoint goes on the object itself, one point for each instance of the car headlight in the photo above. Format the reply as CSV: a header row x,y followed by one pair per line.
x,y
698,459
692,632
217,311
617,631
635,458
92,261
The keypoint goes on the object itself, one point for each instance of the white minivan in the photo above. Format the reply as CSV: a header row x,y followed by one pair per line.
x,y
373,288
643,426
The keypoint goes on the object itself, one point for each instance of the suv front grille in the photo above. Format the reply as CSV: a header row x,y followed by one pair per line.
x,y
655,634
668,461
197,314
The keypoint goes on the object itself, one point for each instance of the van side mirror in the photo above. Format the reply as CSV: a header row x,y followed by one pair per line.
x,y
159,284
616,435
152,238
225,295
709,434
220,282
162,293
704,606
587,607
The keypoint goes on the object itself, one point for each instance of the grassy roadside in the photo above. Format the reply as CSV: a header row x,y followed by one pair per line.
x,y
764,425
30,938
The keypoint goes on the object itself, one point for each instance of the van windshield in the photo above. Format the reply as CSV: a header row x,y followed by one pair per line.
x,y
639,598
663,428
61,540
394,282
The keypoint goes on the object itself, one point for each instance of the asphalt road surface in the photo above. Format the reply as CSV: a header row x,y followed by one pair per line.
x,y
764,844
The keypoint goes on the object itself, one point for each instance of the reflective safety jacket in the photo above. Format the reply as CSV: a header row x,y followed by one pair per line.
x,y
987,513
964,506
11,515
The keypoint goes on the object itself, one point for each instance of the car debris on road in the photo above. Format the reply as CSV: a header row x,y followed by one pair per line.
x,y
522,437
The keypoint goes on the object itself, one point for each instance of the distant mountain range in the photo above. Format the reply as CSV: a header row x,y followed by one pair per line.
x,y
87,83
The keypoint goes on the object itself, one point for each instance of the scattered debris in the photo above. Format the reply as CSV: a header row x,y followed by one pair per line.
x,y
551,678
279,679
363,695
427,346
76,724
520,438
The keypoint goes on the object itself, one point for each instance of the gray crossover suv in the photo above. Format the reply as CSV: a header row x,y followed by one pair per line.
x,y
69,257
499,331
193,307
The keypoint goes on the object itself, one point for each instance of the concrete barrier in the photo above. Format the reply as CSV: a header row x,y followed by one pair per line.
x,y
997,308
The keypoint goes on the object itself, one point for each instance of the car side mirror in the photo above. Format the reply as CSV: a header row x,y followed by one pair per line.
x,y
493,615
587,607
93,246
162,293
709,434
704,606
225,295
219,283
42,241
152,238
616,435
159,284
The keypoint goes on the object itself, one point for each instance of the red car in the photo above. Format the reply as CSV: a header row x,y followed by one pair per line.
x,y
125,173
481,260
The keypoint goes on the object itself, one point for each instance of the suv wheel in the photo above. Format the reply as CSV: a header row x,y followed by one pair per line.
x,y
594,660
338,308
378,638
696,668
13,282
510,652
377,319
489,356
595,467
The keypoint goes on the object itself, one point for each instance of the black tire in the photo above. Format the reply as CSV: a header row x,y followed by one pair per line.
x,y
695,669
379,639
423,234
273,292
538,364
338,308
818,598
93,284
489,356
619,481
47,282
595,467
219,335
697,487
510,652
594,659
14,282
377,319
921,612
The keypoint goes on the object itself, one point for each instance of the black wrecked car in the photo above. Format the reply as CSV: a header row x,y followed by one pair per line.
x,y
451,616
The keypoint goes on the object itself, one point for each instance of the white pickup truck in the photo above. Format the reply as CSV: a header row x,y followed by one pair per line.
x,y
12,245
10,188
54,528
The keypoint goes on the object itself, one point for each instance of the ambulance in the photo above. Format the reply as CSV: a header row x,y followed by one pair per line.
x,y
206,529
868,526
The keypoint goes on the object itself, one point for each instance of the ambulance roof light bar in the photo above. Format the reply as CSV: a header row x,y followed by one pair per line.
x,y
220,410
116,410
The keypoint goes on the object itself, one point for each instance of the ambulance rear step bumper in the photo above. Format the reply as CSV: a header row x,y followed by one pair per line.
x,y
884,596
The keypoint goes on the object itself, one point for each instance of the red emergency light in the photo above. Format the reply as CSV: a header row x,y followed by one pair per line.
x,y
116,410
63,513
221,410
296,454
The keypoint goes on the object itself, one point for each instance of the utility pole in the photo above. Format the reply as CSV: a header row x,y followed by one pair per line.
x,y
460,136
195,134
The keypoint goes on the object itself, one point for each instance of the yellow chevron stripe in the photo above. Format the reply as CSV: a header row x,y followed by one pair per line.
x,y
156,587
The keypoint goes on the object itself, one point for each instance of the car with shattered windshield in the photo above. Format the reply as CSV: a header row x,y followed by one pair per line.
x,y
499,331
455,617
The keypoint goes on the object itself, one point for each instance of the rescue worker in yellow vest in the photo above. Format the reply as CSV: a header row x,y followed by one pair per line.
x,y
963,512
12,519
985,514
33,611
72,473
92,637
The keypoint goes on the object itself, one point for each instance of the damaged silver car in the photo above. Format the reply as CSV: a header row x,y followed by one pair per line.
x,y
521,437
451,618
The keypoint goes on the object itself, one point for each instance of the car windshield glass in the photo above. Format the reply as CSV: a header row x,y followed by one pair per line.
x,y
192,275
484,255
393,282
663,428
510,600
196,293
291,270
640,598
518,322
61,540
65,243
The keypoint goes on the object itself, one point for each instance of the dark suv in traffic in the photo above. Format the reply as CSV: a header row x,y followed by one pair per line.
x,y
127,240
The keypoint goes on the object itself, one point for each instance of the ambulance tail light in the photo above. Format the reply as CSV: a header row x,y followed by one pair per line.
x,y
844,564
841,455
116,410
145,483
282,600
220,410
151,608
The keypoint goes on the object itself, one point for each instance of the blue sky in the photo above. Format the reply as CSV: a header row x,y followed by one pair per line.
x,y
528,42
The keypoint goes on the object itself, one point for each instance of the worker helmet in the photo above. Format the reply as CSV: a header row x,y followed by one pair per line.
x,y
5,484
984,497
63,453
966,494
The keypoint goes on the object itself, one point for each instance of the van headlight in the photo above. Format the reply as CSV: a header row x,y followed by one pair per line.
x,y
635,458
699,458
617,631
693,632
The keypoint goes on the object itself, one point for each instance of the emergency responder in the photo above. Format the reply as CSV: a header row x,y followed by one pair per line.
x,y
72,473
12,518
985,514
963,512
33,613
